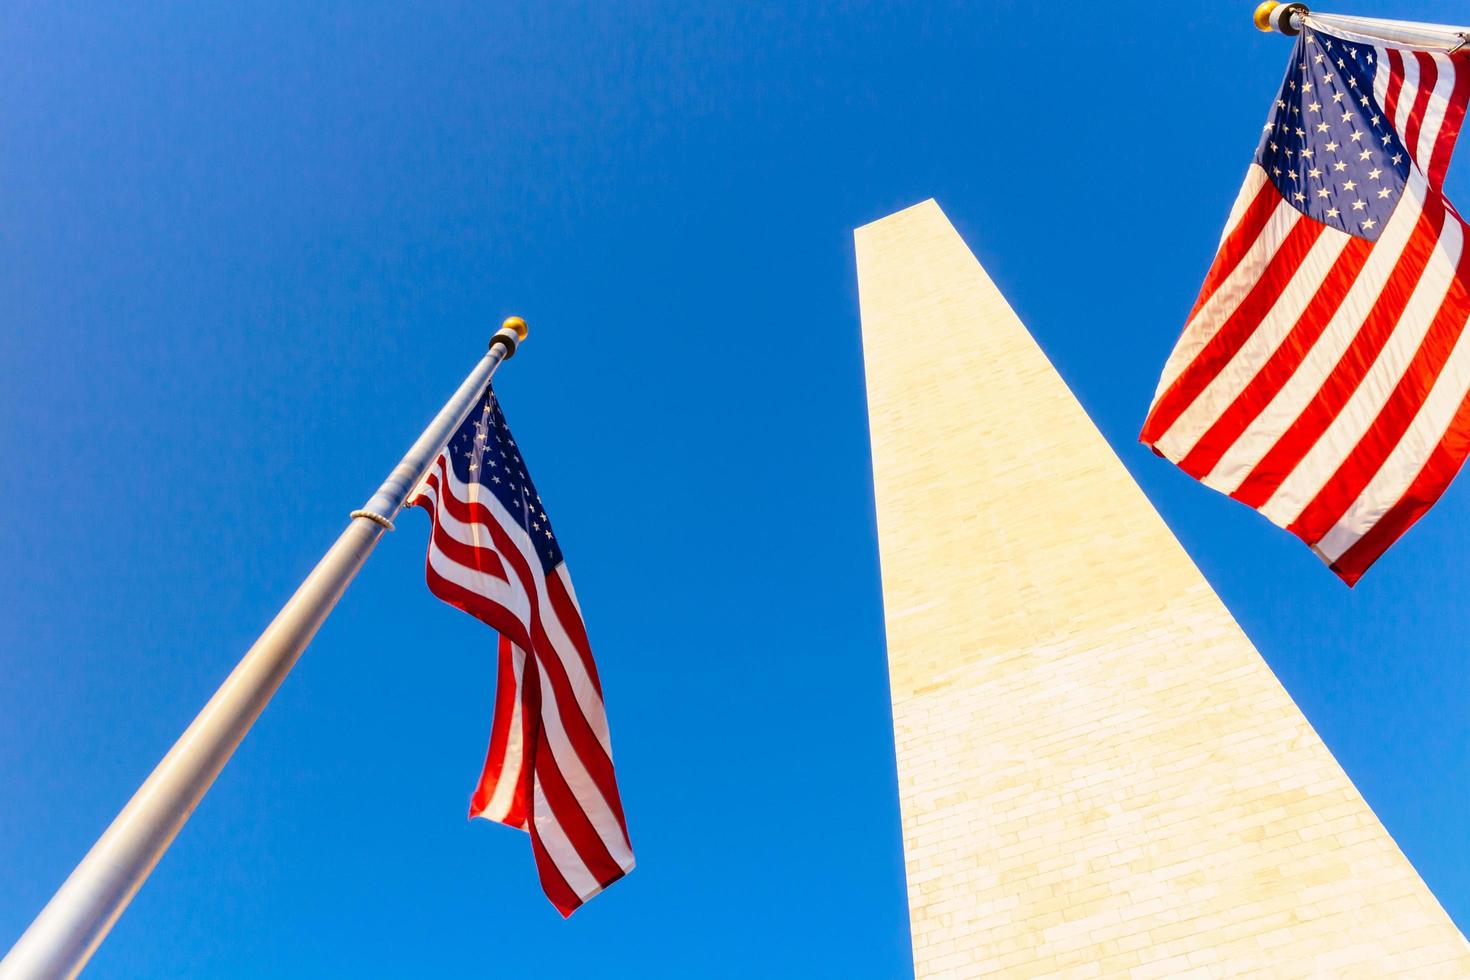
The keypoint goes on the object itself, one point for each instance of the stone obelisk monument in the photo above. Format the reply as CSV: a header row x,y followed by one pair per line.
x,y
1099,775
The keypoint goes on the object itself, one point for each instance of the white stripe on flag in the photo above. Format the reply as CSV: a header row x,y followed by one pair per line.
x,y
1407,92
1434,112
1361,409
1217,309
560,848
1408,457
1226,386
1306,382
588,700
515,748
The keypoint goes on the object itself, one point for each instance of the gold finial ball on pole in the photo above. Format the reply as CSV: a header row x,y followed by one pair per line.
x,y
509,336
1262,16
1284,18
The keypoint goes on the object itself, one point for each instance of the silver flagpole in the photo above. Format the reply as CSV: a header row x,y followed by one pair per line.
x,y
76,920
1290,18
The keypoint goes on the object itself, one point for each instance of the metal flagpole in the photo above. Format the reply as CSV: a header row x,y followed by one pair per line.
x,y
76,920
1290,18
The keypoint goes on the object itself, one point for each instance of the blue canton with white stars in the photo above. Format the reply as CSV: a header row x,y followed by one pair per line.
x,y
484,452
1328,147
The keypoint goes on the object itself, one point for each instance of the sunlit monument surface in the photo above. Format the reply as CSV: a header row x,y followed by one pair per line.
x,y
1099,775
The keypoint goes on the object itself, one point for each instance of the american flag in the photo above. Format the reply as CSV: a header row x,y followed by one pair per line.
x,y
549,769
1322,375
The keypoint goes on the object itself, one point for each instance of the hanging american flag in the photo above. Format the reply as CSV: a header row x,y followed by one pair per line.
x,y
1322,375
549,768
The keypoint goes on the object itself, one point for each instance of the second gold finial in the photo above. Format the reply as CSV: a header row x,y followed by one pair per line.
x,y
1262,16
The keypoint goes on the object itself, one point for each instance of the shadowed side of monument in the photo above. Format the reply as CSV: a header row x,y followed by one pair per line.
x,y
1099,775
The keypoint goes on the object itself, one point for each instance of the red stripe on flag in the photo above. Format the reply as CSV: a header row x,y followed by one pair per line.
x,y
1428,75
492,614
574,822
1282,363
1279,461
482,560
579,731
541,764
465,511
523,801
553,882
583,740
1237,243
1454,118
1444,462
562,897
1395,86
1394,419
571,624
541,642
1241,323
507,696
578,808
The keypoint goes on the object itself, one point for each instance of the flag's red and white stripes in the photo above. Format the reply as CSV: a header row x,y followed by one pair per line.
x,y
549,766
1322,378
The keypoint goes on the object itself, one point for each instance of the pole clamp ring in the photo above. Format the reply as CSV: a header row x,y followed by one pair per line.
x,y
1289,18
377,519
507,339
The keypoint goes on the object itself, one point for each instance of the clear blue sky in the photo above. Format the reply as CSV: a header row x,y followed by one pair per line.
x,y
246,253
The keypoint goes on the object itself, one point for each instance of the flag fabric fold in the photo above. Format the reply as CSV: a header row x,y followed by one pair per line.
x,y
549,766
1322,376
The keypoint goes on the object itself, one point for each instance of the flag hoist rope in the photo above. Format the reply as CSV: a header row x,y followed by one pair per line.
x,y
1290,18
66,933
